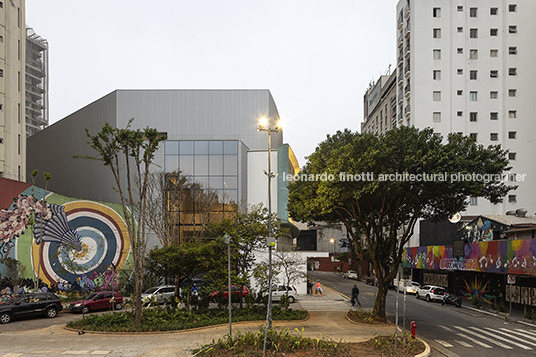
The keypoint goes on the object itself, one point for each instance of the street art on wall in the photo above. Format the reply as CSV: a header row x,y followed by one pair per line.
x,y
481,230
503,256
81,244
435,279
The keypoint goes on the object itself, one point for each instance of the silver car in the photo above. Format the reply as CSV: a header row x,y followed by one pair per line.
x,y
410,286
161,293
430,293
280,290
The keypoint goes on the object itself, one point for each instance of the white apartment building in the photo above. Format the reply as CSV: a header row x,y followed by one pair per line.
x,y
12,101
467,66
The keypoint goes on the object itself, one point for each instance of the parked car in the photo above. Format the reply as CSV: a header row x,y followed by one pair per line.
x,y
351,274
371,281
410,286
430,292
46,304
195,281
101,300
162,294
235,291
280,290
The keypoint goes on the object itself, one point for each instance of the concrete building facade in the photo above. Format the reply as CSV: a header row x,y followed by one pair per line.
x,y
379,105
467,67
36,81
12,72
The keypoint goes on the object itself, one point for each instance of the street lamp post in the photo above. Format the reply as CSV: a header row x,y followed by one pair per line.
x,y
265,126
227,240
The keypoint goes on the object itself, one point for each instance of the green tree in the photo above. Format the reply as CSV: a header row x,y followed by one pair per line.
x,y
129,154
248,231
186,261
380,210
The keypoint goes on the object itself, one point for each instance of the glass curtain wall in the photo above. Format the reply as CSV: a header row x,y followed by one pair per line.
x,y
201,185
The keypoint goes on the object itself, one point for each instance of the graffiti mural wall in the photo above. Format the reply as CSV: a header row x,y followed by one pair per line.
x,y
504,256
73,243
482,229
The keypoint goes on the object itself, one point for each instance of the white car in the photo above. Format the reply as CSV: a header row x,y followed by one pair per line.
x,y
161,293
410,286
280,290
351,274
430,293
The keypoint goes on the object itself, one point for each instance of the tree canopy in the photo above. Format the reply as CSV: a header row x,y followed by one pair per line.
x,y
380,186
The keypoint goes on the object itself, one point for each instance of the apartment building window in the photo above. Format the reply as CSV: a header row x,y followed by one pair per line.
x,y
512,29
1,72
512,199
437,117
493,53
494,136
494,73
512,71
460,8
512,50
1,4
459,92
512,92
437,33
459,71
472,12
512,114
493,11
460,114
512,156
512,134
512,7
18,145
473,96
473,136
473,75
494,116
437,75
437,12
473,54
459,51
473,201
512,177
473,116
437,54
437,96
493,95
493,32
473,33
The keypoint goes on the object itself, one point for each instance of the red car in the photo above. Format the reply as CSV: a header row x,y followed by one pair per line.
x,y
101,300
234,291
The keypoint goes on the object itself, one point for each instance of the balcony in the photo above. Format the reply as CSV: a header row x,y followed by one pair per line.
x,y
407,110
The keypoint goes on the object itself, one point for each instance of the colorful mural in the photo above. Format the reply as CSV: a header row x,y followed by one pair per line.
x,y
81,244
503,256
482,230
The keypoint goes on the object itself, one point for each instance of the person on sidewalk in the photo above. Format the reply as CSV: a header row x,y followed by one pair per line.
x,y
355,294
318,288
309,287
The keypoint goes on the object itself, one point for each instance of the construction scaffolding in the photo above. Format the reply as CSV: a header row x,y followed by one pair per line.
x,y
36,82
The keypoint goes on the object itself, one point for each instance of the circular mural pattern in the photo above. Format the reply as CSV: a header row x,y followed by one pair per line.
x,y
103,243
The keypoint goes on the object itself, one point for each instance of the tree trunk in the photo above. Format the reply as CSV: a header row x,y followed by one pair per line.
x,y
379,304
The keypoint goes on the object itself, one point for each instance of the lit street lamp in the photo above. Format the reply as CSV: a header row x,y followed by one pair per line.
x,y
265,126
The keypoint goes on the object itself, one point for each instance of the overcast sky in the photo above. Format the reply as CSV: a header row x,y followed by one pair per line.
x,y
317,57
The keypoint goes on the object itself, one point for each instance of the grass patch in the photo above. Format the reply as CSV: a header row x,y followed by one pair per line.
x,y
364,317
171,319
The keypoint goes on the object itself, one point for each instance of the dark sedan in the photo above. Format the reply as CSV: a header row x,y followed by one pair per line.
x,y
46,304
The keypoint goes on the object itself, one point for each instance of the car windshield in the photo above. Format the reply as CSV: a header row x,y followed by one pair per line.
x,y
90,296
151,291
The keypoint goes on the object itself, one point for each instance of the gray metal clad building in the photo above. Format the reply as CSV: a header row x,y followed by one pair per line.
x,y
201,116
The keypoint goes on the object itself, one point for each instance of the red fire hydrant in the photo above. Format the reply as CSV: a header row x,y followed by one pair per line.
x,y
413,327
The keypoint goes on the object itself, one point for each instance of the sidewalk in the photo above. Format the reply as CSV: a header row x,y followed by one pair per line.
x,y
55,340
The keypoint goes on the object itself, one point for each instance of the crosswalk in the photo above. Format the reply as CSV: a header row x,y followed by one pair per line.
x,y
321,304
486,337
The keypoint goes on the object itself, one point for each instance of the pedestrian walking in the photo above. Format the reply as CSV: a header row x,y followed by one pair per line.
x,y
318,288
355,294
309,287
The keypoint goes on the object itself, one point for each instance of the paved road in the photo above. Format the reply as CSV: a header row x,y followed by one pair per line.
x,y
450,331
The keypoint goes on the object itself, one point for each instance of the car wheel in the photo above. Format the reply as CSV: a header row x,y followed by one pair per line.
x,y
428,298
5,318
417,295
118,306
215,299
85,309
458,304
291,299
52,312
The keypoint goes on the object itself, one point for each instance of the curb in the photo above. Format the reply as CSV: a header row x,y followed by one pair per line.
x,y
427,349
